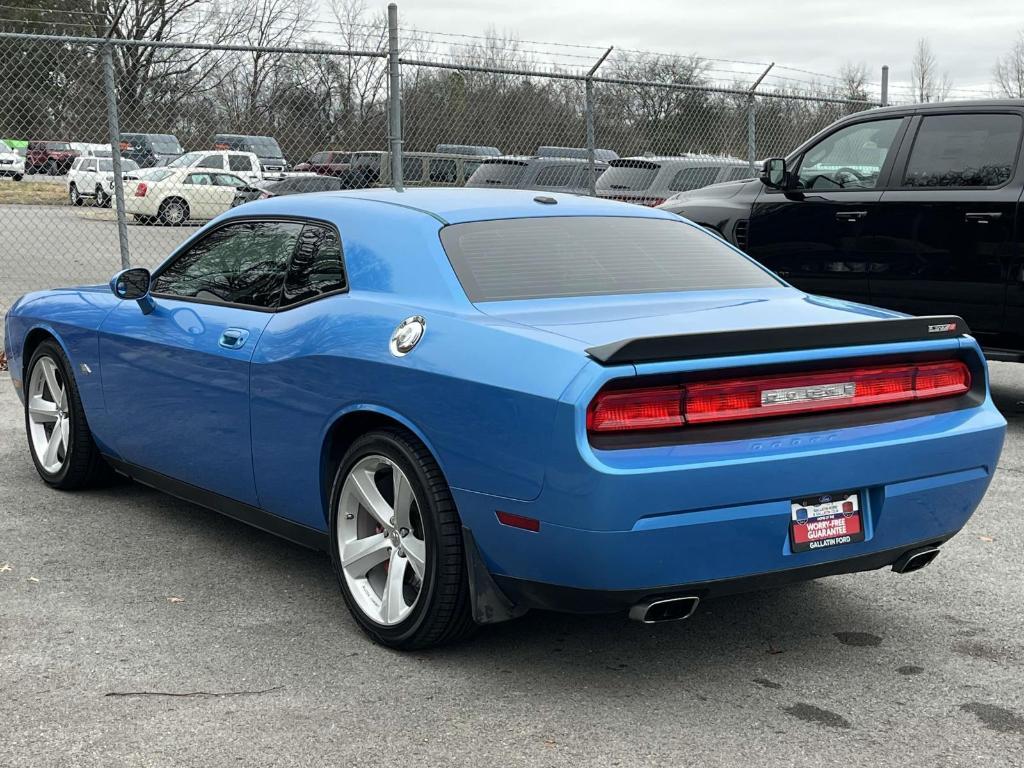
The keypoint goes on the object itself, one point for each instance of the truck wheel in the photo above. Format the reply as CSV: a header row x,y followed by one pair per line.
x,y
73,195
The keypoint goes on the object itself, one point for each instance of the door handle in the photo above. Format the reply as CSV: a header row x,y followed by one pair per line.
x,y
983,217
850,215
233,338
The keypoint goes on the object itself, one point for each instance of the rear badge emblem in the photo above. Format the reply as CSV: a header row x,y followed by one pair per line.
x,y
407,335
941,327
808,394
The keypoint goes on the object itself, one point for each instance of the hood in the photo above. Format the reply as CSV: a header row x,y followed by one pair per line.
x,y
595,321
723,191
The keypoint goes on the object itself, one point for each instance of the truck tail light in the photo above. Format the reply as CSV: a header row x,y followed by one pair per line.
x,y
665,407
141,189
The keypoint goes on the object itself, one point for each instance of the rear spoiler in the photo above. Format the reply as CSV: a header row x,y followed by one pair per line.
x,y
688,346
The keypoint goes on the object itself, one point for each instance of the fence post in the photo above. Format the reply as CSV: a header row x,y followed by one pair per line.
x,y
589,110
395,99
114,129
885,85
751,128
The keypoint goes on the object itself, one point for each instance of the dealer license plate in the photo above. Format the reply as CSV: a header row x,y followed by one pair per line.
x,y
827,520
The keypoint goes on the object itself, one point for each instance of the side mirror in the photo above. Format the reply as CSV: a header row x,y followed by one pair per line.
x,y
133,284
774,174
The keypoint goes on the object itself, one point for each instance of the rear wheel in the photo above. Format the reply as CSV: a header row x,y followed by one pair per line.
x,y
397,544
102,198
74,197
59,439
173,212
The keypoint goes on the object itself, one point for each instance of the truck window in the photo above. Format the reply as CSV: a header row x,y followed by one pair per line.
x,y
850,158
964,151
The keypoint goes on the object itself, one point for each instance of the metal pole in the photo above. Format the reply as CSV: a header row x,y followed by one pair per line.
x,y
591,139
115,152
395,97
751,128
885,85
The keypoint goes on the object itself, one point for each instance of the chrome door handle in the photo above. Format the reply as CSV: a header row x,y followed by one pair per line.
x,y
850,215
233,338
983,217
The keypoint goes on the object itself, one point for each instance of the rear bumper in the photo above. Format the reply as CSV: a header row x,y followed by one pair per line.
x,y
553,597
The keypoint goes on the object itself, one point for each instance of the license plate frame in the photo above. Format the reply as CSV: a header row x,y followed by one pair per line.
x,y
826,520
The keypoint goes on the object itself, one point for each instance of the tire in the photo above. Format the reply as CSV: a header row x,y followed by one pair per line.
x,y
77,462
17,177
74,197
102,198
173,212
50,168
439,612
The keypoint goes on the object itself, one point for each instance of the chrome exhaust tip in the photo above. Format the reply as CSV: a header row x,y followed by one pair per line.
x,y
915,560
661,609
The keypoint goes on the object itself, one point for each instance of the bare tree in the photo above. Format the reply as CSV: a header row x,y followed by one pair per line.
x,y
1009,70
928,83
853,81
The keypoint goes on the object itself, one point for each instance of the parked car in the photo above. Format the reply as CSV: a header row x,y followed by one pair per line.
x,y
243,164
150,150
175,196
93,178
473,150
52,158
480,403
556,174
12,163
580,152
912,208
652,180
369,169
266,148
294,185
329,163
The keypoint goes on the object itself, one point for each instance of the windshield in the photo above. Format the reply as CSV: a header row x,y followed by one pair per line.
x,y
497,175
186,160
562,256
165,144
160,175
4,147
107,165
264,146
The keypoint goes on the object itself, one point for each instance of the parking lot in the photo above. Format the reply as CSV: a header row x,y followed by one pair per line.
x,y
136,629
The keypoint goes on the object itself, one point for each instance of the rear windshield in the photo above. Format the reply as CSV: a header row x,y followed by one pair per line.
x,y
592,256
627,176
165,144
264,146
497,175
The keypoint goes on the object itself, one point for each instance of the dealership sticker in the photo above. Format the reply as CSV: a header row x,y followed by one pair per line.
x,y
828,520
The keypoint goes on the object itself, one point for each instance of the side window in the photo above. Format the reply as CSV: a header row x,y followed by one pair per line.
x,y
693,178
316,266
850,158
199,179
242,263
239,163
412,168
555,176
211,161
443,171
964,151
320,157
227,180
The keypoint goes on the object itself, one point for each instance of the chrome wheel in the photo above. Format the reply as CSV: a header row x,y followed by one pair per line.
x,y
173,213
381,542
48,418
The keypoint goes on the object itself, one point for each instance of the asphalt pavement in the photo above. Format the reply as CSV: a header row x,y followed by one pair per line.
x,y
138,630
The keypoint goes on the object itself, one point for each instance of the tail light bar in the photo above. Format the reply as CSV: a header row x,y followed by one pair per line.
x,y
667,407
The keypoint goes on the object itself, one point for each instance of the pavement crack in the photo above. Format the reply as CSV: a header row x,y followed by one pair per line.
x,y
192,693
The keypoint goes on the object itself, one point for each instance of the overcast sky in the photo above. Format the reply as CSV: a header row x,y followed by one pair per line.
x,y
966,36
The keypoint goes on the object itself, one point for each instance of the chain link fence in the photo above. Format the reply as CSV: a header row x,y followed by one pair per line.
x,y
198,128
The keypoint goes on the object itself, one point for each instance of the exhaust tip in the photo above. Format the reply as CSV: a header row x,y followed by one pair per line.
x,y
915,560
664,609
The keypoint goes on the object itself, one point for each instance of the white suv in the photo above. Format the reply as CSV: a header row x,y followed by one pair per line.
x,y
242,164
93,177
11,163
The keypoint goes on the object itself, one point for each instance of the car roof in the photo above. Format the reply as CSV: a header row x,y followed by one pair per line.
x,y
456,205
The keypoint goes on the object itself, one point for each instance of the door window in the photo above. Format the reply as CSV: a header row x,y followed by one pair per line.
x,y
211,161
242,263
964,151
851,158
227,180
239,163
316,266
199,179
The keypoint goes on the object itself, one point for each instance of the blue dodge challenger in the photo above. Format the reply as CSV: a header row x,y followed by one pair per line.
x,y
484,401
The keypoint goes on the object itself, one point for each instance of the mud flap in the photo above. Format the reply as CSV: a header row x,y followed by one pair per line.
x,y
490,605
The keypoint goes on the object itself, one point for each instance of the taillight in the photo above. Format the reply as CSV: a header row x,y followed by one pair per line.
x,y
141,189
665,407
654,202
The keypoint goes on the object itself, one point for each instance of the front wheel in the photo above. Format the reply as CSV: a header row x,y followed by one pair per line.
x,y
74,196
59,439
397,544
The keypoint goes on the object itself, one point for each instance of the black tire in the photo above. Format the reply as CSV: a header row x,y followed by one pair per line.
x,y
167,214
83,466
17,177
74,196
50,168
442,613
102,199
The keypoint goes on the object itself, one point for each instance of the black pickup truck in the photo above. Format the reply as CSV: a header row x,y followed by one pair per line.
x,y
915,208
